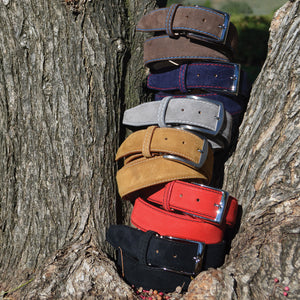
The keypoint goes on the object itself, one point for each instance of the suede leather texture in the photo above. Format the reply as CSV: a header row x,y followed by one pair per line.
x,y
150,249
163,52
201,21
146,216
140,275
194,199
223,78
146,166
138,249
154,140
235,105
146,172
204,115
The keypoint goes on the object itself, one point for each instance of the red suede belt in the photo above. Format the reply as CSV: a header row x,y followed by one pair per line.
x,y
186,210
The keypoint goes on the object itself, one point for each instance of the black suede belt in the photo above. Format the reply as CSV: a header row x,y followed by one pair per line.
x,y
152,261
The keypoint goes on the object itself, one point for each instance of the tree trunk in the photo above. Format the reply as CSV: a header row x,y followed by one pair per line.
x,y
263,174
68,71
64,81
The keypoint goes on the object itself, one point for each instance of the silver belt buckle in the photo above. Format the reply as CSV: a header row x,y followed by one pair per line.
x,y
198,258
235,85
219,119
222,38
198,165
220,208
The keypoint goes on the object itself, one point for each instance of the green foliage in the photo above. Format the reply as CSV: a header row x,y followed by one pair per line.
x,y
170,2
253,41
234,7
207,4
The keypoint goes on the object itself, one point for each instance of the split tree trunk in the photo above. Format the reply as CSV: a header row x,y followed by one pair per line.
x,y
264,175
68,70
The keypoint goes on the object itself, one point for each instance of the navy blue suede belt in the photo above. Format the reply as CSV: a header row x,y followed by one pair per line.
x,y
225,78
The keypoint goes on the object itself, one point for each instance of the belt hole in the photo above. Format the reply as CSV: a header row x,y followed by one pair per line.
x,y
180,195
197,199
166,138
204,20
156,251
175,255
182,109
216,75
199,112
198,75
183,142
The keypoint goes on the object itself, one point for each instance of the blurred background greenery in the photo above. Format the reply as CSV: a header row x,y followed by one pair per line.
x,y
252,20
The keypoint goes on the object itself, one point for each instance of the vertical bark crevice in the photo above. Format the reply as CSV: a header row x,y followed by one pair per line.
x,y
60,87
262,174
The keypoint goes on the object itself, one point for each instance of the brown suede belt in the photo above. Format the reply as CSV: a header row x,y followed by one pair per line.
x,y
193,33
163,52
159,155
197,22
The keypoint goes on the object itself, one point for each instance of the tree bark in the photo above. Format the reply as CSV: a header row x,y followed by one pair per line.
x,y
68,71
65,68
263,174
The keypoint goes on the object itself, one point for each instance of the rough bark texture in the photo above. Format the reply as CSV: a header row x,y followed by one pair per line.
x,y
63,70
264,175
77,272
136,91
68,69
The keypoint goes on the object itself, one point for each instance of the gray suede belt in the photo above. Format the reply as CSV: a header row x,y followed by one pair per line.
x,y
198,115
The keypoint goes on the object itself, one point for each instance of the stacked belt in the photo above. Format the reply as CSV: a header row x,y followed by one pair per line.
x,y
178,222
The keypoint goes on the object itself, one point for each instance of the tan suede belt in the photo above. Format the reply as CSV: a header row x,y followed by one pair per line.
x,y
192,33
158,155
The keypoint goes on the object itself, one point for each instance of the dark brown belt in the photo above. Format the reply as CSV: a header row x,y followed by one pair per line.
x,y
193,33
163,52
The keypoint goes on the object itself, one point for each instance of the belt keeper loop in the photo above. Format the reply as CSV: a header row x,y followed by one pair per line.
x,y
122,262
143,245
170,18
167,195
182,78
146,149
162,111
